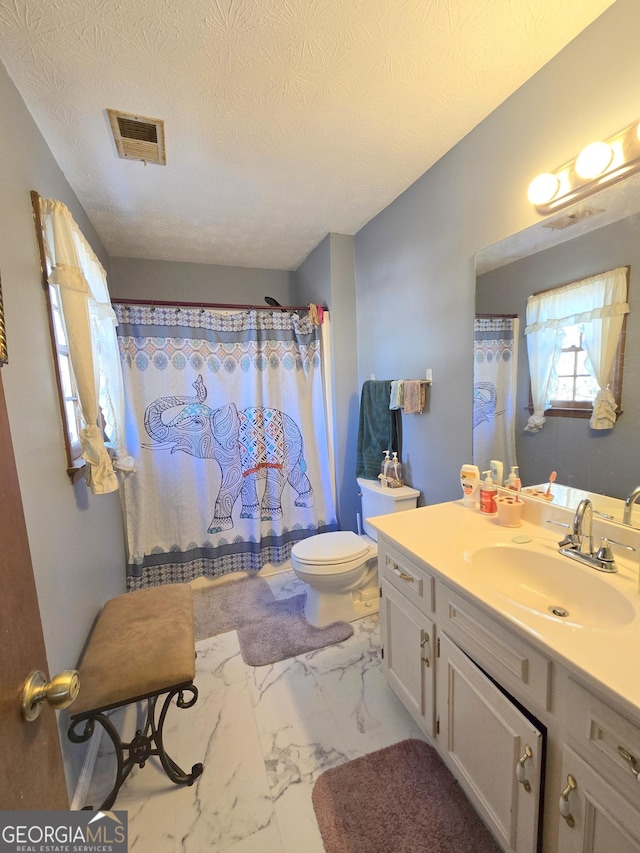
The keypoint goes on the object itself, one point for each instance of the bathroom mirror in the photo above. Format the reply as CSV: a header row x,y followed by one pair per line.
x,y
600,233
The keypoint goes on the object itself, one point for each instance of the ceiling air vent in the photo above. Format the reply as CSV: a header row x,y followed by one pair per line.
x,y
138,137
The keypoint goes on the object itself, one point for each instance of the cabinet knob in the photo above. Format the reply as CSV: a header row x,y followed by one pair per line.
x,y
565,806
521,771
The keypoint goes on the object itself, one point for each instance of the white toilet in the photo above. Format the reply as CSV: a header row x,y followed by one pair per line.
x,y
341,568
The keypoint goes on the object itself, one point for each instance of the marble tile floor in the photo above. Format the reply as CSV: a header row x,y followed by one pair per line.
x,y
264,735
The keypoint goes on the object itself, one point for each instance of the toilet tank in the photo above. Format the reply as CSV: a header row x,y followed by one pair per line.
x,y
378,500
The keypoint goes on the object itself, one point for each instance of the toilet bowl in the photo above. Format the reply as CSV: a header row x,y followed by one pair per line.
x,y
341,568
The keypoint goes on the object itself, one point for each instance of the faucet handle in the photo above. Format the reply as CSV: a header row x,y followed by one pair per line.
x,y
570,540
605,553
621,544
601,514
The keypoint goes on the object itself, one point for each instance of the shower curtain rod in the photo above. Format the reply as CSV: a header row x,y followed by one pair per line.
x,y
497,316
171,304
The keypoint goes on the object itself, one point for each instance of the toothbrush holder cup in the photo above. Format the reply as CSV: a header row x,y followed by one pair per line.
x,y
509,510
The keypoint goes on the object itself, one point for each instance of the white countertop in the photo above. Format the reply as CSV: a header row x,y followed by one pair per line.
x,y
605,658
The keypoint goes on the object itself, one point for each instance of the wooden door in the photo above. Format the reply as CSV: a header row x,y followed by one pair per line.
x,y
32,773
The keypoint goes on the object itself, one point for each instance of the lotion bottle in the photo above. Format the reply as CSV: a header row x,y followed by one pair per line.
x,y
488,494
497,472
470,482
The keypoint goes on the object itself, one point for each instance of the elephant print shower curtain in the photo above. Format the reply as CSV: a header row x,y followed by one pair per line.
x,y
226,415
495,380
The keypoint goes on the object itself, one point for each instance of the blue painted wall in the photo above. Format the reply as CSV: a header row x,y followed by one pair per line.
x,y
415,279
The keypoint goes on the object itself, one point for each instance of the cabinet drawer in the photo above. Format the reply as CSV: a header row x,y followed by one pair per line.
x,y
606,737
407,577
517,666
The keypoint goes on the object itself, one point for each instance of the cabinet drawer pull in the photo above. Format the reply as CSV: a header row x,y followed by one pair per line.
x,y
402,575
565,805
631,761
521,772
423,643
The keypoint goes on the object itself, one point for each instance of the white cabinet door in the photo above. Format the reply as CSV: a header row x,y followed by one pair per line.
x,y
596,818
494,751
407,639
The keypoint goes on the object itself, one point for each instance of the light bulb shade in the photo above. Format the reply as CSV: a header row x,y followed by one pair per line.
x,y
594,160
543,188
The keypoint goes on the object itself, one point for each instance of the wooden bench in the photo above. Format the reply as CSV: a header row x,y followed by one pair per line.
x,y
141,647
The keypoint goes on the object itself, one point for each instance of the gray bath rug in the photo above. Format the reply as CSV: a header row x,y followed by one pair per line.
x,y
401,799
283,632
227,604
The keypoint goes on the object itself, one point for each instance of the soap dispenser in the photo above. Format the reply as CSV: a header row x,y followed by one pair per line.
x,y
511,481
385,469
395,472
488,493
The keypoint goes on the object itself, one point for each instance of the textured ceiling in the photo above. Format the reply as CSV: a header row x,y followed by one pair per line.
x,y
285,119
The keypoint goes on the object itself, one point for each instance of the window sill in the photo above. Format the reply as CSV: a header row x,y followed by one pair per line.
x,y
569,412
75,472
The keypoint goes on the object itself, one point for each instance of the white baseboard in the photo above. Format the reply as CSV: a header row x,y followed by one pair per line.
x,y
86,773
269,570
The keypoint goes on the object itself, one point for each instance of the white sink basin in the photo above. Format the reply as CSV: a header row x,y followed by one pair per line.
x,y
552,585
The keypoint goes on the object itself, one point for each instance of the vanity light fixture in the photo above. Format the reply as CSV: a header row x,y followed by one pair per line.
x,y
599,165
594,160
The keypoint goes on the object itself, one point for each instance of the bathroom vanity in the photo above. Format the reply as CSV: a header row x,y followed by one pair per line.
x,y
520,665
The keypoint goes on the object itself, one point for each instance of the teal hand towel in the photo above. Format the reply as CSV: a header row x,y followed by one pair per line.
x,y
378,428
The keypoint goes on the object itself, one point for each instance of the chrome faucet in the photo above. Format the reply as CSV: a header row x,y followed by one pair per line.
x,y
581,533
583,526
628,505
581,530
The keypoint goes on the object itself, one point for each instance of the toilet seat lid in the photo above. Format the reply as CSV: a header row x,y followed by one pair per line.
x,y
330,548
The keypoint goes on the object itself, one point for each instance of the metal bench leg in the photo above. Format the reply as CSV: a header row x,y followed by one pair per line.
x,y
145,743
173,771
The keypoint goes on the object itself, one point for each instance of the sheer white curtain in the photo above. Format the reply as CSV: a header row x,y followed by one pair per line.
x,y
93,346
599,304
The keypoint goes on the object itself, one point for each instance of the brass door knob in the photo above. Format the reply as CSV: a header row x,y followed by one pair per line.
x,y
60,692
